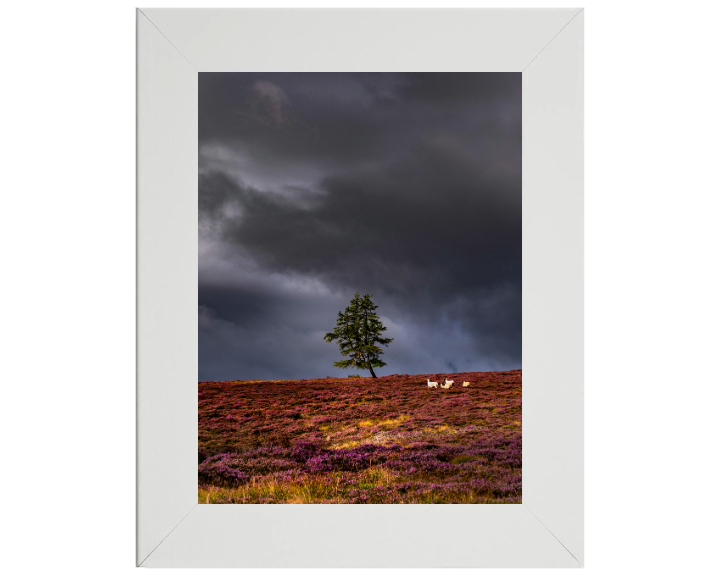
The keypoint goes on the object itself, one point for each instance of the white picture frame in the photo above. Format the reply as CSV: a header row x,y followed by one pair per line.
x,y
173,45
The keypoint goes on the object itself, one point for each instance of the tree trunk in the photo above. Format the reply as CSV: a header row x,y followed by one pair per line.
x,y
373,373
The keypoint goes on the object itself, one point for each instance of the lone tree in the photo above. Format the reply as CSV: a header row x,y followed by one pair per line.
x,y
358,331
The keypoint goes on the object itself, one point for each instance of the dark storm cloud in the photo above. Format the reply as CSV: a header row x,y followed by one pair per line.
x,y
330,119
404,186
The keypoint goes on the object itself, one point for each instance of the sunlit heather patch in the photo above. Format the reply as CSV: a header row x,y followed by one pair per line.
x,y
389,440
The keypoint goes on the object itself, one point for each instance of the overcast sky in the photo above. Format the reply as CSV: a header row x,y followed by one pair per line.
x,y
315,186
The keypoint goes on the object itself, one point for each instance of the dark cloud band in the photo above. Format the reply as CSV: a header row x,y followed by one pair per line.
x,y
404,186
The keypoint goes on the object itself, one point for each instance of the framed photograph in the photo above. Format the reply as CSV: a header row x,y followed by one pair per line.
x,y
408,185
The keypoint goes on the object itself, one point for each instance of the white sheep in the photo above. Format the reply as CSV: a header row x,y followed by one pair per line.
x,y
450,382
431,384
447,384
466,384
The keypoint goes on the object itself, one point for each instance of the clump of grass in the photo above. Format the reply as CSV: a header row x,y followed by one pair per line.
x,y
463,459
348,444
394,422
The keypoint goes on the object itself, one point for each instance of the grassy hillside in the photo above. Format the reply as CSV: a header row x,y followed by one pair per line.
x,y
361,440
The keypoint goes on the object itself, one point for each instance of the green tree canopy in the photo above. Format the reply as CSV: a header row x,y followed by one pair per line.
x,y
359,331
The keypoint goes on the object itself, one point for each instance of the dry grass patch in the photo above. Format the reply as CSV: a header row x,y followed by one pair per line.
x,y
394,422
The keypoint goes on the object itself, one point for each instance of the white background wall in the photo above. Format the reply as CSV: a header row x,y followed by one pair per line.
x,y
67,237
